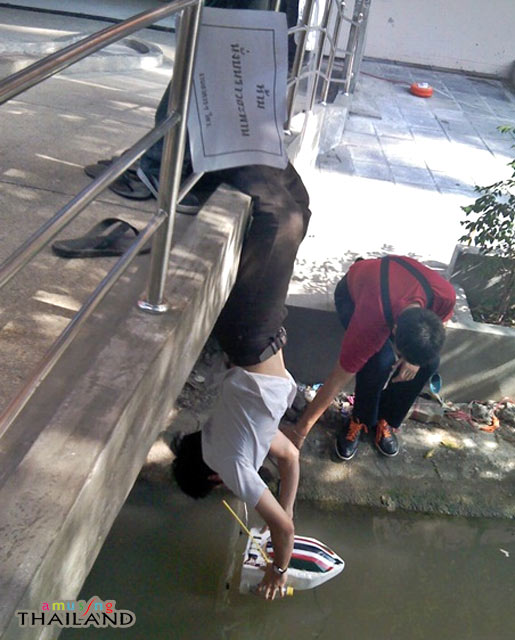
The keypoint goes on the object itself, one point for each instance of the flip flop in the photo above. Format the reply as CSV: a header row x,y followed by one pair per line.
x,y
127,185
110,237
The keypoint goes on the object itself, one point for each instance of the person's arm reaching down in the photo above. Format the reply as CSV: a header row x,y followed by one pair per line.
x,y
287,457
335,382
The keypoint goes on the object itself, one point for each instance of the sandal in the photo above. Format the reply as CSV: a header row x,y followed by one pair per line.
x,y
127,184
110,237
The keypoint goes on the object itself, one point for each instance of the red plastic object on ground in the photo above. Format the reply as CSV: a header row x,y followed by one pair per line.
x,y
421,89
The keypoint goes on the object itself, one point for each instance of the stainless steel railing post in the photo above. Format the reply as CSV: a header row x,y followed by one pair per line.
x,y
360,43
320,51
355,44
330,63
299,59
172,158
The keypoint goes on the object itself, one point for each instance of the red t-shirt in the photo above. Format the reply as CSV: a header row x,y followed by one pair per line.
x,y
368,330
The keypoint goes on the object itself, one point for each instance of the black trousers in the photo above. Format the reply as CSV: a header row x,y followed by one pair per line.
x,y
255,310
372,400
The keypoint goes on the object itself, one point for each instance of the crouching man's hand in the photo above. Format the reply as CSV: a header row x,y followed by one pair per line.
x,y
406,371
272,585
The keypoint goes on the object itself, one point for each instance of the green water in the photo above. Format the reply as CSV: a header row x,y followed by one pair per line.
x,y
407,577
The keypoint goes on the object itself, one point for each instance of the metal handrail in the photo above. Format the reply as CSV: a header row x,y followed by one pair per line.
x,y
13,409
170,174
326,36
173,128
19,82
298,60
47,232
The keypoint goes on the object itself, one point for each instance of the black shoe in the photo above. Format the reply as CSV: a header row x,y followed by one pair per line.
x,y
189,205
347,440
127,185
386,441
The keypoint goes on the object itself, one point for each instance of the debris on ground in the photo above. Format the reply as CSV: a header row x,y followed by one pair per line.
x,y
479,416
451,443
506,412
447,418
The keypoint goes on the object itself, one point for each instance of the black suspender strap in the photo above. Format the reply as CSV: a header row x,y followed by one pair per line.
x,y
385,286
420,277
385,293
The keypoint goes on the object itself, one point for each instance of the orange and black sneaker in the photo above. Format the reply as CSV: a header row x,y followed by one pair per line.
x,y
347,440
386,441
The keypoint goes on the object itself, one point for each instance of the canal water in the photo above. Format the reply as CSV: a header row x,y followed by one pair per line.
x,y
171,561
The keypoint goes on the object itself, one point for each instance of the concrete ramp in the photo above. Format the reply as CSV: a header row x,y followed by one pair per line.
x,y
72,456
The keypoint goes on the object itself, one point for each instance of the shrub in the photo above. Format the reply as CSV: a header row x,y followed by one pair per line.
x,y
490,227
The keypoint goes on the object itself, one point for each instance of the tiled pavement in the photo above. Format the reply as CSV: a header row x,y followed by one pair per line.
x,y
448,142
404,168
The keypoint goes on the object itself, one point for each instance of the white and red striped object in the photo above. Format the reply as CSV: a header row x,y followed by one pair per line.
x,y
312,562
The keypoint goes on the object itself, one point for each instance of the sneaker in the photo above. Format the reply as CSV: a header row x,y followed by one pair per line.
x,y
386,441
347,440
189,205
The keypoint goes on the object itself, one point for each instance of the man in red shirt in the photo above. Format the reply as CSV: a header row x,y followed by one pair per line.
x,y
393,310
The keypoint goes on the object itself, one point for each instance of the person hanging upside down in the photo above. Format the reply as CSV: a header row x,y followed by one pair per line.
x,y
256,391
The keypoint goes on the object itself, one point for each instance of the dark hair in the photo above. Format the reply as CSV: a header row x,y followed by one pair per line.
x,y
419,335
189,469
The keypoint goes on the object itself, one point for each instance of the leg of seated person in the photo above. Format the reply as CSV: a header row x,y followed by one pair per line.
x,y
369,384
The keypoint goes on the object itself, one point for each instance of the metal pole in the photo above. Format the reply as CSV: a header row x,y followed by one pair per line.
x,y
360,44
332,55
52,64
14,408
299,59
172,158
31,247
352,43
277,5
320,51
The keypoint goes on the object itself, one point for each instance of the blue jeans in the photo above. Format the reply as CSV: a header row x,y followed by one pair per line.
x,y
371,400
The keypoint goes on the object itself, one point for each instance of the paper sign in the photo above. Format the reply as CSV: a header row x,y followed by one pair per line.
x,y
238,104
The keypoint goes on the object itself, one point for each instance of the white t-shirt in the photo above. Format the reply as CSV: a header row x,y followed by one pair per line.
x,y
237,437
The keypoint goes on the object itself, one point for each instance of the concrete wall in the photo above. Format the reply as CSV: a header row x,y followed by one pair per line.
x,y
478,360
470,35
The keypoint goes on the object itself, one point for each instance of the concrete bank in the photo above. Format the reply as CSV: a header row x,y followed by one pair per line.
x,y
450,469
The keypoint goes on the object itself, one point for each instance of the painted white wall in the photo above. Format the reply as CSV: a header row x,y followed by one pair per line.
x,y
470,35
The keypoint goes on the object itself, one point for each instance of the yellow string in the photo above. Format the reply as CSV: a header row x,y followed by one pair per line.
x,y
238,520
